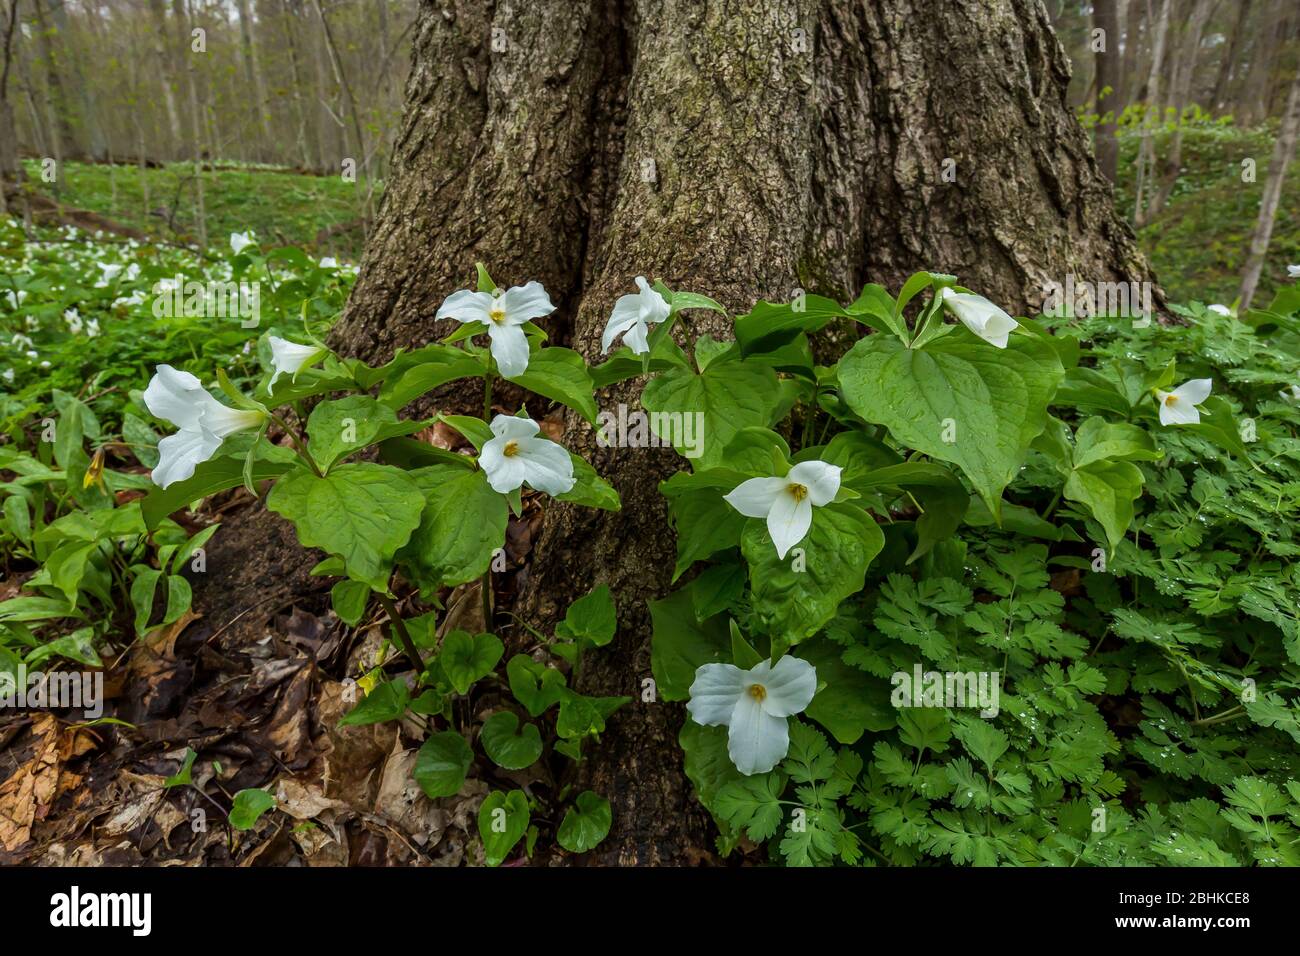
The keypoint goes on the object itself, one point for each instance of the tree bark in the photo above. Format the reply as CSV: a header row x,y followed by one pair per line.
x,y
737,148
1283,151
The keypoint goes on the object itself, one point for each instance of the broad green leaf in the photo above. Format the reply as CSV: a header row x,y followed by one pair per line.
x,y
535,685
509,745
680,644
721,401
436,365
591,618
466,659
349,600
220,473
248,807
560,375
960,399
849,701
441,764
361,512
795,596
462,523
585,823
502,820
1108,488
769,325
386,702
338,428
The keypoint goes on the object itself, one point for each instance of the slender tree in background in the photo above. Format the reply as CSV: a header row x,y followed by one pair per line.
x,y
1283,151
1229,62
742,149
1105,18
1184,66
1146,153
9,169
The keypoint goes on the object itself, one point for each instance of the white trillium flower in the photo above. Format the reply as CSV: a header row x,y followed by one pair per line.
x,y
504,315
329,262
755,705
290,357
1293,271
239,241
1219,309
979,315
516,455
787,503
1179,406
73,318
180,398
634,314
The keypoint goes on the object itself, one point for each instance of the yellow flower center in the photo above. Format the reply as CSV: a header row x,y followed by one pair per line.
x,y
497,314
758,692
1171,399
511,449
797,491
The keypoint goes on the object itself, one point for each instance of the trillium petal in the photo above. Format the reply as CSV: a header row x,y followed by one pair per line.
x,y
821,480
467,306
180,454
788,522
509,348
1178,412
523,303
222,420
653,306
754,498
998,329
790,686
547,466
173,396
714,693
504,473
638,338
288,358
512,426
626,314
1195,391
756,740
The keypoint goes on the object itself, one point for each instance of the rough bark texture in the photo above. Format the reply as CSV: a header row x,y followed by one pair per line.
x,y
737,148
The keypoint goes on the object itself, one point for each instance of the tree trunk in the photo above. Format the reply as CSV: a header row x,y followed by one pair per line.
x,y
253,70
1229,63
1183,71
737,148
1146,152
1105,17
1283,151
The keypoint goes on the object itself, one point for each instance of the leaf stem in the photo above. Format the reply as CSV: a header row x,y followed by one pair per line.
x,y
403,635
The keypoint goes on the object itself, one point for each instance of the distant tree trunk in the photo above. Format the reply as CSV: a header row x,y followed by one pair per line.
x,y
738,148
253,70
1253,103
1228,64
1152,112
289,21
1184,69
96,142
62,137
166,61
1105,17
9,166
196,128
1132,44
1283,151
